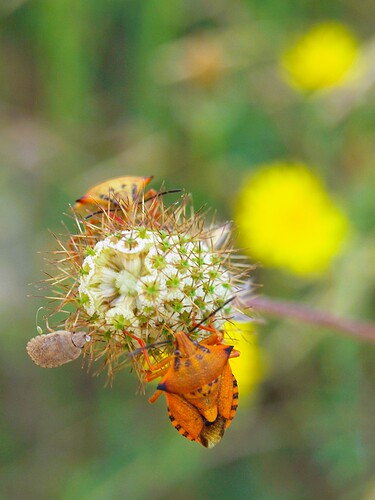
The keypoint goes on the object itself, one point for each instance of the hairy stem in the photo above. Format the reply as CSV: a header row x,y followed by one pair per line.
x,y
353,328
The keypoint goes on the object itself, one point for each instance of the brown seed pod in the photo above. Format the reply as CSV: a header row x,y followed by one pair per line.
x,y
57,348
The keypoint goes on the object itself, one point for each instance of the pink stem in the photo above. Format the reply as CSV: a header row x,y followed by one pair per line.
x,y
354,328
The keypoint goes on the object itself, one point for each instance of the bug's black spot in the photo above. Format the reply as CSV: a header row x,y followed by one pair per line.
x,y
199,356
204,441
235,383
177,363
204,349
234,407
187,363
200,390
235,396
178,427
171,417
162,387
185,434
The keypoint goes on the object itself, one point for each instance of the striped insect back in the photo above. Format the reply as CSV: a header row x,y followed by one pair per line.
x,y
200,389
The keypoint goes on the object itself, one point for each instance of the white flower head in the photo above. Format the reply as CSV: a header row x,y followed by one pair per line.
x,y
147,278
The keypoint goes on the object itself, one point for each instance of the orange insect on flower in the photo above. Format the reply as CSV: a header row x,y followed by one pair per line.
x,y
201,391
108,194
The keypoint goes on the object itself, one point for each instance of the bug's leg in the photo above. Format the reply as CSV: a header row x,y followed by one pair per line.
x,y
143,346
158,369
155,396
216,337
209,329
155,370
234,354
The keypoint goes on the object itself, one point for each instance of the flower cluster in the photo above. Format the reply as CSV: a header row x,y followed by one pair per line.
x,y
146,281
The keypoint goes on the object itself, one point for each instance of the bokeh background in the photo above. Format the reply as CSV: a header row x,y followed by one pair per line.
x,y
195,93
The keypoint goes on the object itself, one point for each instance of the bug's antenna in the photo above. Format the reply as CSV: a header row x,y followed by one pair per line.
x,y
212,314
38,328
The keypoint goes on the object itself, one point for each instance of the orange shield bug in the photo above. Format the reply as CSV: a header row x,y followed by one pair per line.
x,y
57,348
107,194
200,389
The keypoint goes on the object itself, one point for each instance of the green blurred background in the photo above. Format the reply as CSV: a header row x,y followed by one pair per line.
x,y
100,88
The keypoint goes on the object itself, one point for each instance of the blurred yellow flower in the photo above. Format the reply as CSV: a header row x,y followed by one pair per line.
x,y
287,219
322,58
249,367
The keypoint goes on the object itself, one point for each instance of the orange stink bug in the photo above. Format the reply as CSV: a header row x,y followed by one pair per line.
x,y
107,195
199,386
